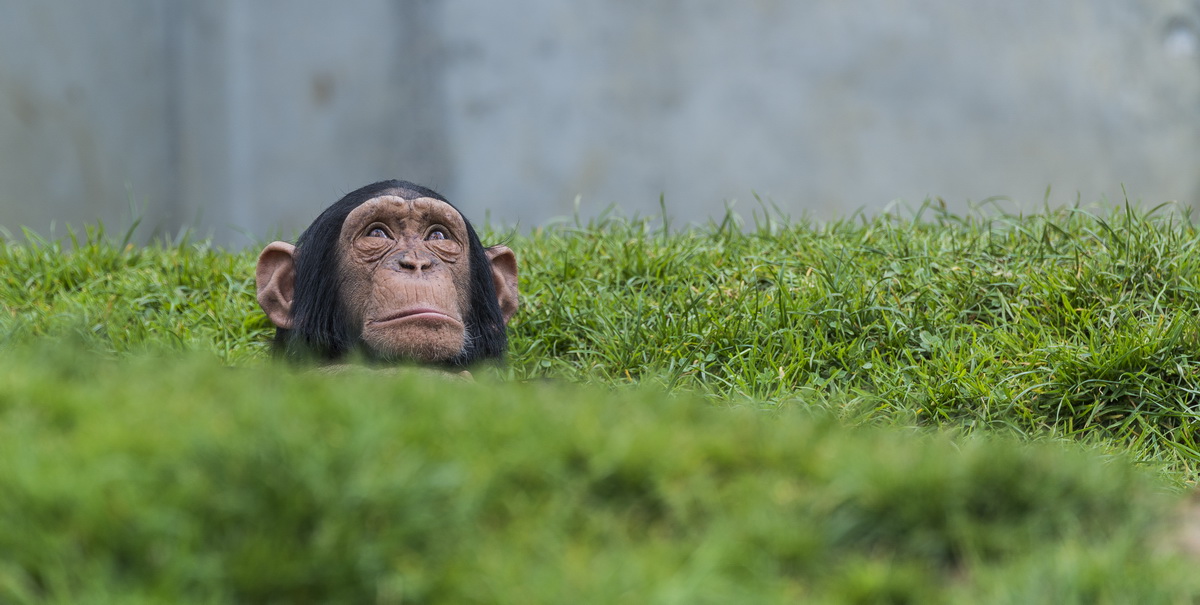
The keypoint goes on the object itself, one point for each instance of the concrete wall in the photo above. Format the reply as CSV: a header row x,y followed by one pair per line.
x,y
286,105
84,112
244,118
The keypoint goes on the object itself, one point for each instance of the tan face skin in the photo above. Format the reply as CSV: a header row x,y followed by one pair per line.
x,y
405,270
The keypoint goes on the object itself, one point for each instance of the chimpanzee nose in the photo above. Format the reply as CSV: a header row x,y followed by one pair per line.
x,y
411,260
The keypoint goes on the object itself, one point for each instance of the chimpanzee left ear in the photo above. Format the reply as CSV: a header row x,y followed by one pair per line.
x,y
275,277
504,276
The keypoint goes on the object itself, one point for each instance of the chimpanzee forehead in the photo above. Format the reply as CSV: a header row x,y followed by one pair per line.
x,y
387,207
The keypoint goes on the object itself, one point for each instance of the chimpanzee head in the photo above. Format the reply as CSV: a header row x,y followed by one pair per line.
x,y
394,272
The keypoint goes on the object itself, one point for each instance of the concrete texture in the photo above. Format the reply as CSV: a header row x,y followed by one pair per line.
x,y
84,113
823,105
242,119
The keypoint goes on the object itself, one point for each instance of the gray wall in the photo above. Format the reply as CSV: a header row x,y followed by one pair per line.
x,y
243,119
84,112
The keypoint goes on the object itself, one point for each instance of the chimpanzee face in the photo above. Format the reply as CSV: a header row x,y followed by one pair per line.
x,y
405,277
394,271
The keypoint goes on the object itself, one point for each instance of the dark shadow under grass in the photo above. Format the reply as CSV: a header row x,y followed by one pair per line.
x,y
175,479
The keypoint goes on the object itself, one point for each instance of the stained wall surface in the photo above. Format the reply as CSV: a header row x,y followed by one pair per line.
x,y
242,119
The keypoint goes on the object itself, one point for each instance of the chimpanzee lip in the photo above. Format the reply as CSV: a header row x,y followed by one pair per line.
x,y
413,313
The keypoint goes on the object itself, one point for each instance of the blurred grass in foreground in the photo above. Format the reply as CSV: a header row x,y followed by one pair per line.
x,y
176,479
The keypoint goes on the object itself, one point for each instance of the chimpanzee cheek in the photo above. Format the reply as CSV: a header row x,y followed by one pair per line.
x,y
370,249
356,293
447,250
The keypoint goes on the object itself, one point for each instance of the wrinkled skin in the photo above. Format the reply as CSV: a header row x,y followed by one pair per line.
x,y
404,279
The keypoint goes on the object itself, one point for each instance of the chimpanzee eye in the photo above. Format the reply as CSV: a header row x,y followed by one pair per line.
x,y
436,234
378,232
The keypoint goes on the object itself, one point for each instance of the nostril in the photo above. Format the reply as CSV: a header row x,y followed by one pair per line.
x,y
411,261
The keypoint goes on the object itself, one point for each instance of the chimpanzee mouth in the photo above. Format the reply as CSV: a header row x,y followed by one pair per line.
x,y
415,313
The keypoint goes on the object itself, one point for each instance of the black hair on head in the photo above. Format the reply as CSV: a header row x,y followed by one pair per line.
x,y
320,329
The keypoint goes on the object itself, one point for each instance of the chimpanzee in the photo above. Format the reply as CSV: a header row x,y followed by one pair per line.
x,y
392,272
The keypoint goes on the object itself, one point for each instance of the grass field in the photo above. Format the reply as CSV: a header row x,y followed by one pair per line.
x,y
917,408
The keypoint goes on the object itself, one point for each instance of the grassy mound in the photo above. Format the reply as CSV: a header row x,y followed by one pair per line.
x,y
150,452
1070,323
162,480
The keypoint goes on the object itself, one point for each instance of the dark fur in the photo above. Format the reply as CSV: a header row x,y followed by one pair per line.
x,y
321,331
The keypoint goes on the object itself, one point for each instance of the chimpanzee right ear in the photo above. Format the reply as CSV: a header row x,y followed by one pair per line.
x,y
276,281
504,276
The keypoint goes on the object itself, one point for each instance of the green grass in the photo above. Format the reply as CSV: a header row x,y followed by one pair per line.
x,y
152,480
872,409
1066,322
1071,323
